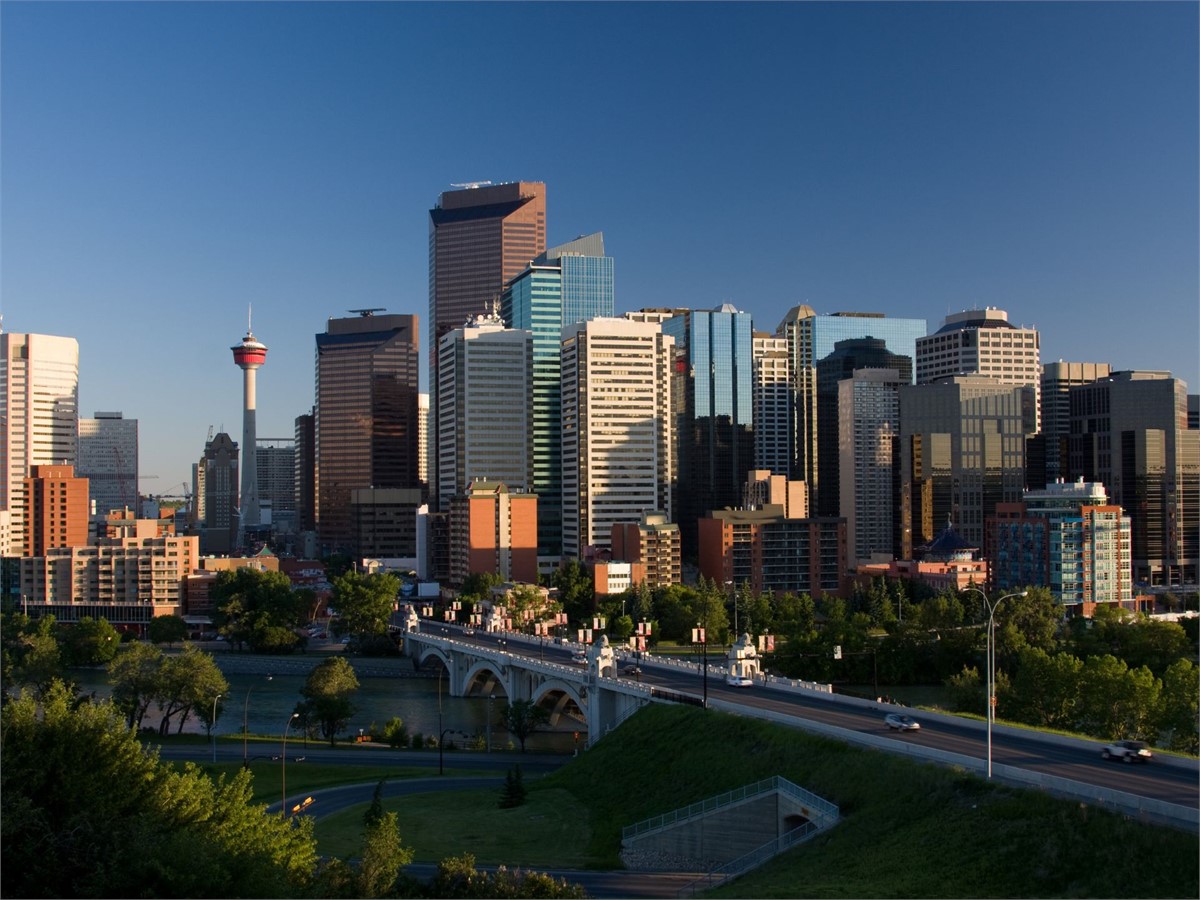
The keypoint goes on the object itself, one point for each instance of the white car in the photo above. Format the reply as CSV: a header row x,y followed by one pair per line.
x,y
741,681
898,722
1128,751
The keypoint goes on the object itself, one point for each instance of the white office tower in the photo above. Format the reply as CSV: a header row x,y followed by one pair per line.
x,y
772,402
616,427
108,459
39,396
485,424
868,435
982,342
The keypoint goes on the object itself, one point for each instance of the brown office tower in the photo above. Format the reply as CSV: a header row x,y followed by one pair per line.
x,y
480,237
365,418
57,511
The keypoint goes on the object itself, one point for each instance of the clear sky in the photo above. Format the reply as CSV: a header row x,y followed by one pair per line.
x,y
163,166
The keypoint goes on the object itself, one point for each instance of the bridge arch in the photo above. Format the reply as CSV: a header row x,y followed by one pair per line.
x,y
485,675
559,698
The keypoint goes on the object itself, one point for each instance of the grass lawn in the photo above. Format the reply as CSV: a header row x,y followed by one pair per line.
x,y
549,830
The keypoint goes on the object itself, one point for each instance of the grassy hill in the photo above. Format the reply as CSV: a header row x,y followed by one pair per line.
x,y
908,829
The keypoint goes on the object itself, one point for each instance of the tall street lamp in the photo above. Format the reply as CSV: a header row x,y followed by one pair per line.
x,y
283,764
212,727
245,724
698,637
991,662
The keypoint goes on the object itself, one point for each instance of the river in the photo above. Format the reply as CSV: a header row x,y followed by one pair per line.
x,y
267,706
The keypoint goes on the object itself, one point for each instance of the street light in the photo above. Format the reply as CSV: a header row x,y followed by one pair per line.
x,y
491,697
283,764
212,727
246,724
698,637
991,662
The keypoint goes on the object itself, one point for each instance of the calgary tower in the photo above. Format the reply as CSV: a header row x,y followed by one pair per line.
x,y
249,355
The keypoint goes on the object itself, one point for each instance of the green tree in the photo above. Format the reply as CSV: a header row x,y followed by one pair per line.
x,y
89,642
87,811
575,590
513,793
457,877
1179,707
522,718
134,675
38,659
383,856
167,629
1116,701
328,691
250,603
1045,690
364,602
187,684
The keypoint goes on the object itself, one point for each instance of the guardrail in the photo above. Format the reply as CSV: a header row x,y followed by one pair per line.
x,y
746,792
751,860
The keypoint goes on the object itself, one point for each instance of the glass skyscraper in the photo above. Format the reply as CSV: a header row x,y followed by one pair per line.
x,y
713,406
810,339
567,284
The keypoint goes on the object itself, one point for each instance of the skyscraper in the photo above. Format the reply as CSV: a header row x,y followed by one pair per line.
x,y
982,342
713,406
1129,432
108,459
39,396
218,476
249,355
570,283
484,385
480,237
847,356
772,403
868,441
617,442
1057,380
962,451
365,416
810,338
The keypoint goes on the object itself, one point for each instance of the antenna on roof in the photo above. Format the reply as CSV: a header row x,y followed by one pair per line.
x,y
470,185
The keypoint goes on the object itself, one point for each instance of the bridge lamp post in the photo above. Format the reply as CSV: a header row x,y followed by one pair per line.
x,y
283,764
991,662
698,637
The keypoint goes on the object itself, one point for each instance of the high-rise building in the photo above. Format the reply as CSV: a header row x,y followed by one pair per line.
x,y
713,410
485,374
616,427
366,416
772,402
764,487
480,237
868,442
1129,432
962,451
570,283
58,509
108,459
810,338
249,355
493,530
847,356
1057,380
277,483
306,472
652,544
218,477
423,421
39,396
1067,537
982,342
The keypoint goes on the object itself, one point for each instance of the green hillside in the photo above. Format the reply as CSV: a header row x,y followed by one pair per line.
x,y
908,829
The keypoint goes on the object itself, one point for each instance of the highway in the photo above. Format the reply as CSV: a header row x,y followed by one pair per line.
x,y
1167,780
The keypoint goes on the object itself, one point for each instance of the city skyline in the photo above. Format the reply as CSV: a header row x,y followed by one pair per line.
x,y
166,166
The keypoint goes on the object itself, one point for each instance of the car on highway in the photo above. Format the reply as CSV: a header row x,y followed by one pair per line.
x,y
632,670
898,722
739,681
1128,751
580,657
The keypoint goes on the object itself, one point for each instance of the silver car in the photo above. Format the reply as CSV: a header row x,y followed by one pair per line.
x,y
1127,751
898,722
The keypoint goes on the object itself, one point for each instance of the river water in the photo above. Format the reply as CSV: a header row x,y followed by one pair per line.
x,y
268,705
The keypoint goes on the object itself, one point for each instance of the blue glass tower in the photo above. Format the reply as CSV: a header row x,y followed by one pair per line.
x,y
712,395
567,284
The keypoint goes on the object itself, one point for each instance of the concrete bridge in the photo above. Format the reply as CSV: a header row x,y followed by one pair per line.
x,y
584,697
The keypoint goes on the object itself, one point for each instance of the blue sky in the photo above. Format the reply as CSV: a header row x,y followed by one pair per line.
x,y
165,165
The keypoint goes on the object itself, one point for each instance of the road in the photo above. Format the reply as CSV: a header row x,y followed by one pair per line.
x,y
1167,780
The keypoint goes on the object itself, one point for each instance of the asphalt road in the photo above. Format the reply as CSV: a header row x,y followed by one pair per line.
x,y
1164,779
